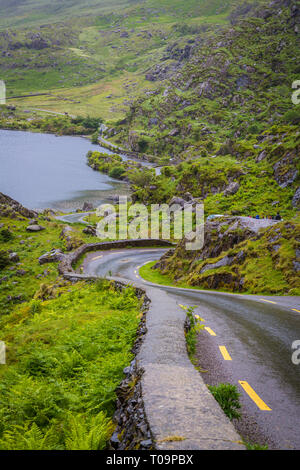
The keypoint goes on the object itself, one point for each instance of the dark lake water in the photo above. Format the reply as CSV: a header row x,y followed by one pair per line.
x,y
43,170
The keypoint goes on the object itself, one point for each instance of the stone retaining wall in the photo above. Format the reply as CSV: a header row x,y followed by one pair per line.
x,y
66,264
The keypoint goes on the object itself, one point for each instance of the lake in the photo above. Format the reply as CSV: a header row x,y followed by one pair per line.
x,y
47,171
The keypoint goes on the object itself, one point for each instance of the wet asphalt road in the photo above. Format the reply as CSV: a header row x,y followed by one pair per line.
x,y
257,332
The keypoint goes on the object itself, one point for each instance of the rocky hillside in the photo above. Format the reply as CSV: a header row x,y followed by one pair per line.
x,y
237,83
240,255
13,209
224,121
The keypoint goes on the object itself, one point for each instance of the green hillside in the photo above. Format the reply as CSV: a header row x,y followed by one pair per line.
x,y
83,53
34,12
25,12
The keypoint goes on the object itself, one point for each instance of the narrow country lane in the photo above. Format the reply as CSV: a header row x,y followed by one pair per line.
x,y
247,341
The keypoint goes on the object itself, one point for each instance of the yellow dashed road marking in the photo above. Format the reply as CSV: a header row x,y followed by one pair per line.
x,y
210,331
269,301
225,353
253,395
97,257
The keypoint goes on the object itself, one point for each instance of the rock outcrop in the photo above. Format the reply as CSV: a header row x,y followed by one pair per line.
x,y
12,208
240,254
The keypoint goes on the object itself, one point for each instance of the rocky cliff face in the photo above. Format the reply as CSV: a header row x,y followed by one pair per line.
x,y
231,98
225,75
10,207
242,255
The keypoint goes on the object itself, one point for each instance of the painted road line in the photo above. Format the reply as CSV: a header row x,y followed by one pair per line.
x,y
295,310
269,301
210,331
97,257
225,353
253,395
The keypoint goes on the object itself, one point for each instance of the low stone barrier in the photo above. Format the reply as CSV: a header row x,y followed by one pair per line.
x,y
66,264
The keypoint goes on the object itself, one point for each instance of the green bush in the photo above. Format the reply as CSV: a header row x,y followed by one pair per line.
x,y
292,116
95,137
228,398
4,259
88,434
117,172
66,358
6,235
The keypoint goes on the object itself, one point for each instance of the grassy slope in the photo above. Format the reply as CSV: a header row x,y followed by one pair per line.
x,y
87,60
266,265
19,13
231,100
67,347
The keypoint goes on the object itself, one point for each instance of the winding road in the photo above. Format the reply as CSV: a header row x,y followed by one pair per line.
x,y
247,341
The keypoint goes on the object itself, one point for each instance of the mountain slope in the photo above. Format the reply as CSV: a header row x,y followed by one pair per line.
x,y
229,106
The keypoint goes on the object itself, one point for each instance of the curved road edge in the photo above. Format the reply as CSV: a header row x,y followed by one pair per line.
x,y
181,412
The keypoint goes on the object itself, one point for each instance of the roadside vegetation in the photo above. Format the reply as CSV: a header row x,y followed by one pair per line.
x,y
95,61
228,398
66,345
264,263
15,119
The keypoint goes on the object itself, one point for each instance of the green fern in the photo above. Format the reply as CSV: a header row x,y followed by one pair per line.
x,y
88,434
29,438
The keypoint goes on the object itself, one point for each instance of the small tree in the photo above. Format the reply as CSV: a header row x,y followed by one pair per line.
x,y
95,137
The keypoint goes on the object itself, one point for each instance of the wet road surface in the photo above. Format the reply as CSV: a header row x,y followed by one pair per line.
x,y
248,342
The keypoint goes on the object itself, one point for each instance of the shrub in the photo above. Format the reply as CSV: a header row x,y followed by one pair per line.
x,y
29,438
292,116
88,434
6,235
228,398
117,172
95,137
4,259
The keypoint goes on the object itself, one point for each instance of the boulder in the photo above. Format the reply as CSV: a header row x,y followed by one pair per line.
x,y
231,189
90,230
188,197
33,222
52,257
177,200
35,228
14,257
6,201
261,156
285,171
296,198
296,265
226,261
174,132
87,206
21,272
